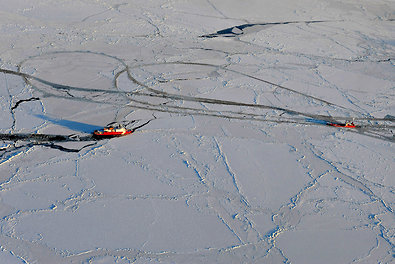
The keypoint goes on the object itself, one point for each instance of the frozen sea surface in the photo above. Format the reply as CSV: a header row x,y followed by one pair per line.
x,y
233,159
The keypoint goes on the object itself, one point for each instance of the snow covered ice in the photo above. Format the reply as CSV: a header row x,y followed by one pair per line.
x,y
233,160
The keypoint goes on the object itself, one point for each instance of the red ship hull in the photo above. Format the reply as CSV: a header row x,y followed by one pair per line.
x,y
105,134
342,125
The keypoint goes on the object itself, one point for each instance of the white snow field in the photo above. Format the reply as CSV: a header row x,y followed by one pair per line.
x,y
233,158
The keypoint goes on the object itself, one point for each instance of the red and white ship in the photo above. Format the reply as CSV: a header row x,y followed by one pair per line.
x,y
112,131
347,125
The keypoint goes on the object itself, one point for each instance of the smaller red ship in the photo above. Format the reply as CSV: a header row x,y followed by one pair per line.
x,y
347,125
112,130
